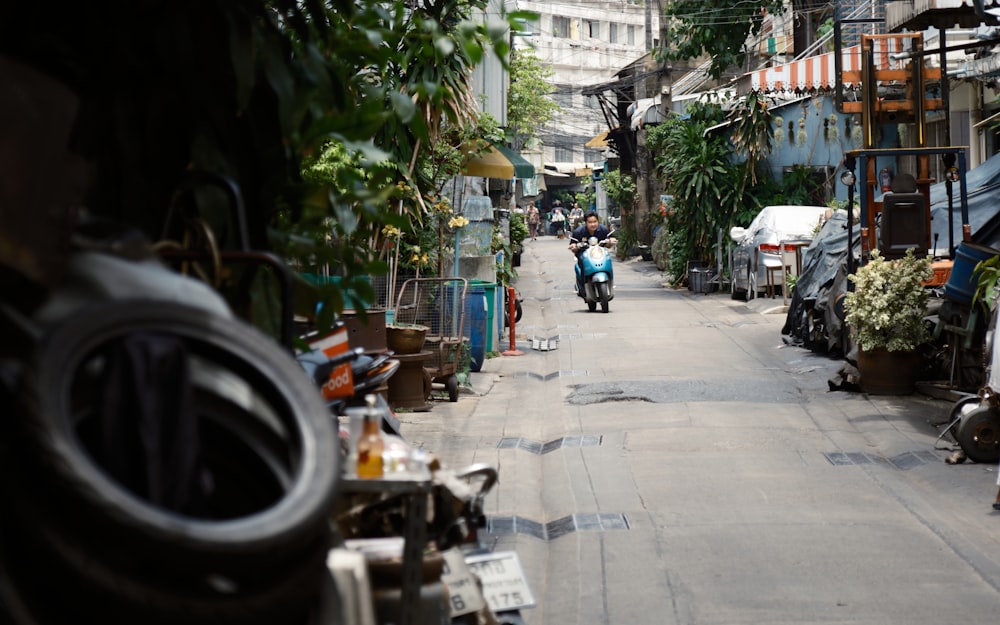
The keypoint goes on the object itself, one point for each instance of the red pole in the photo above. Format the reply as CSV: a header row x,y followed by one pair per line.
x,y
511,308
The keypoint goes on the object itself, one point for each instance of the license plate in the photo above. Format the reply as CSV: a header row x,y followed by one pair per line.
x,y
504,584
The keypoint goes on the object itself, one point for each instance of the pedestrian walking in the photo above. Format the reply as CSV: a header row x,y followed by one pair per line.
x,y
533,220
575,216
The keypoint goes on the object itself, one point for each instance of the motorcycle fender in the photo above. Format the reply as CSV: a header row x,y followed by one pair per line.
x,y
599,277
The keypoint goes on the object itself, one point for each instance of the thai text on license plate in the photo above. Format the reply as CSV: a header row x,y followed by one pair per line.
x,y
504,584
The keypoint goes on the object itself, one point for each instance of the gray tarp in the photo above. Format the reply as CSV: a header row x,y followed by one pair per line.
x,y
811,321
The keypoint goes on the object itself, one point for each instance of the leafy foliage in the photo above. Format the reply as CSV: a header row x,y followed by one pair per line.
x,y
987,274
518,230
587,197
797,187
622,189
528,106
697,171
353,92
752,131
716,28
888,304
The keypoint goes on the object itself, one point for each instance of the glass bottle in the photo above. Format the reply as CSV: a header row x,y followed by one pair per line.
x,y
370,445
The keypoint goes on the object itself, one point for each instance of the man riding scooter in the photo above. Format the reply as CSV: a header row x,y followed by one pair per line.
x,y
580,241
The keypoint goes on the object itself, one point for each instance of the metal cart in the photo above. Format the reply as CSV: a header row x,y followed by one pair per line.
x,y
439,304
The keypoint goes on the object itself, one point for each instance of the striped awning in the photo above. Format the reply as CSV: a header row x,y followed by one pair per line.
x,y
819,73
816,73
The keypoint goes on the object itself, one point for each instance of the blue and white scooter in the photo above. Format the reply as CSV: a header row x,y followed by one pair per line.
x,y
598,275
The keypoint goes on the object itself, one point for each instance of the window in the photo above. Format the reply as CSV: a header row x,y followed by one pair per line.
x,y
563,98
631,35
564,155
613,32
592,29
591,155
560,26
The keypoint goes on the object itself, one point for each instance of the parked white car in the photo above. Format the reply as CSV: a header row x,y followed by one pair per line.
x,y
757,245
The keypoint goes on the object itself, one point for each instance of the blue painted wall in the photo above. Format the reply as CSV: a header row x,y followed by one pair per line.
x,y
819,136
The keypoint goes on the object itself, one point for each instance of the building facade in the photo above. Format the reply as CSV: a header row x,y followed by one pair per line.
x,y
585,42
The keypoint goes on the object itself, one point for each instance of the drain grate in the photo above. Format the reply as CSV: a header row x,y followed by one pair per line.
x,y
560,527
535,447
904,461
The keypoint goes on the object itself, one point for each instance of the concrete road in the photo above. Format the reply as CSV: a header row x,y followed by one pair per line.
x,y
673,461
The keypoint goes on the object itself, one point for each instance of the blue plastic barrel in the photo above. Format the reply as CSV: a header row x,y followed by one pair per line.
x,y
476,324
961,284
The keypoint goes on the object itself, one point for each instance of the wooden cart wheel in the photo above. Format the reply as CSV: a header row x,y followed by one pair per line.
x,y
428,384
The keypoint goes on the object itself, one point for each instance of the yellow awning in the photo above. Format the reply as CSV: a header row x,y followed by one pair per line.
x,y
600,141
499,162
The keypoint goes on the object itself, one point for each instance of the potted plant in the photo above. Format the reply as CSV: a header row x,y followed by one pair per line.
x,y
886,314
518,232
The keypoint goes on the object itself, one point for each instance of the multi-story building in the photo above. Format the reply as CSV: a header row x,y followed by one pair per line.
x,y
585,42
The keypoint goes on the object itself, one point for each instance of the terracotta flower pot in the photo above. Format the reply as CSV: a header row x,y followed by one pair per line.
x,y
888,373
405,339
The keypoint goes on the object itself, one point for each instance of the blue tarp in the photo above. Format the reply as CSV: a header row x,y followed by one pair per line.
x,y
983,184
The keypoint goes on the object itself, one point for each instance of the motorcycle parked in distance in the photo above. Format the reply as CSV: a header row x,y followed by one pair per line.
x,y
594,272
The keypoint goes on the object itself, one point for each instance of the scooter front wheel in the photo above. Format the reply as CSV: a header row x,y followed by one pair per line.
x,y
604,294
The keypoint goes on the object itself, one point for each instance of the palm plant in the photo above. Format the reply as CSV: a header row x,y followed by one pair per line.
x,y
704,182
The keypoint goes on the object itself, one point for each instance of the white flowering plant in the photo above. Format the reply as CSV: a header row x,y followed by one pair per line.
x,y
889,302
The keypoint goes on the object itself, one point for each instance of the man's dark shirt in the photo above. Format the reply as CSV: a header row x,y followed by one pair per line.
x,y
581,234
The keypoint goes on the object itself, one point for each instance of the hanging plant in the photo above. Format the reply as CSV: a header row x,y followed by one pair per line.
x,y
803,136
903,132
791,133
857,135
833,133
779,130
752,131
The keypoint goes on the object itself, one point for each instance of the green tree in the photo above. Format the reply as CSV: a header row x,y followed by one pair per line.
x,y
528,106
718,29
697,170
622,189
255,90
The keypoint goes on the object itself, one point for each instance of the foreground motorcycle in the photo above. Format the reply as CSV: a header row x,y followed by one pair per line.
x,y
485,586
594,272
975,420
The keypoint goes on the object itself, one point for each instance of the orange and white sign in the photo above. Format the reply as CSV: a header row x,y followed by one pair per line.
x,y
341,382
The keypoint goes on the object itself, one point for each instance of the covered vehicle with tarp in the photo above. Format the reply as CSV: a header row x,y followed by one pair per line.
x,y
812,319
